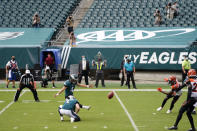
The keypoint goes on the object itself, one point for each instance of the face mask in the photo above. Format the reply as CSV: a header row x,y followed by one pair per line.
x,y
13,59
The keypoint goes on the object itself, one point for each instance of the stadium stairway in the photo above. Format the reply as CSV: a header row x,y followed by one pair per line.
x,y
78,15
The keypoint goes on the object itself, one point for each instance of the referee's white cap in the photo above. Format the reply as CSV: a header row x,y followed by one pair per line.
x,y
27,72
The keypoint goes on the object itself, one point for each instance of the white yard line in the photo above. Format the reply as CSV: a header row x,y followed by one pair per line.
x,y
128,90
5,108
127,113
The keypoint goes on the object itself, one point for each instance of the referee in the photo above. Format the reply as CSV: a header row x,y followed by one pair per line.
x,y
129,69
27,80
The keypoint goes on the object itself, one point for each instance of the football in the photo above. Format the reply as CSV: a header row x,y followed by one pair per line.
x,y
110,95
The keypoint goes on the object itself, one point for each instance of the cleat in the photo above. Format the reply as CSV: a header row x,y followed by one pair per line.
x,y
159,109
194,112
72,120
168,111
13,87
37,100
53,87
173,128
88,107
191,129
62,118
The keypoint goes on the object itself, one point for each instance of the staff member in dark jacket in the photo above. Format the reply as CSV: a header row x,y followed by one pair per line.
x,y
129,70
99,71
122,71
84,69
27,80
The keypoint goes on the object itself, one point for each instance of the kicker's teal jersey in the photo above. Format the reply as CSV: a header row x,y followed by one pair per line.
x,y
70,88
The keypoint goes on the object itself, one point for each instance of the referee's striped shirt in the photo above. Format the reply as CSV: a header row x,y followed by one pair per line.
x,y
26,79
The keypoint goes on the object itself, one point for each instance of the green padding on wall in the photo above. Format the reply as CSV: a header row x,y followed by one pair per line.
x,y
136,37
23,56
144,58
24,37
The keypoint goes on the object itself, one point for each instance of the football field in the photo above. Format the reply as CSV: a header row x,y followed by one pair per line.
x,y
128,110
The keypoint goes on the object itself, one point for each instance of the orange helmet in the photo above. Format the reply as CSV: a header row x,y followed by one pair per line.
x,y
172,78
191,72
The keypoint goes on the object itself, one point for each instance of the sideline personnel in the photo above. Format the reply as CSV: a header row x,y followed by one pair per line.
x,y
129,68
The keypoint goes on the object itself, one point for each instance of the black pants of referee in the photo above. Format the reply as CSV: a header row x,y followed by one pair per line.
x,y
130,76
85,74
98,77
187,106
184,76
22,87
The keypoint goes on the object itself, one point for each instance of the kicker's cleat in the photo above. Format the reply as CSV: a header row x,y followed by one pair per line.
x,y
86,107
159,109
168,111
173,128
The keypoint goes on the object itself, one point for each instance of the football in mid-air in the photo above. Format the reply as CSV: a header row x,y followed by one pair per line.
x,y
110,95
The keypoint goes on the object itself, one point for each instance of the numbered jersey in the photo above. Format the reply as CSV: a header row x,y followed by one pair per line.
x,y
194,87
70,104
70,88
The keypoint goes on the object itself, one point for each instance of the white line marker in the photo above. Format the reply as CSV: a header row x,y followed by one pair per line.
x,y
16,127
51,113
102,113
46,127
127,90
10,104
105,127
75,127
127,113
1,101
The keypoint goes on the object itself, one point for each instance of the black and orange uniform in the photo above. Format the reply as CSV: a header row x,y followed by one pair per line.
x,y
188,105
173,93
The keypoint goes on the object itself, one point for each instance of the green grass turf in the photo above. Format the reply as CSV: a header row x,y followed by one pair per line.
x,y
109,85
105,115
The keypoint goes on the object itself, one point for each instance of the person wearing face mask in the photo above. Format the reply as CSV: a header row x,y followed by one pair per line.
x,y
83,69
129,71
186,66
27,80
11,70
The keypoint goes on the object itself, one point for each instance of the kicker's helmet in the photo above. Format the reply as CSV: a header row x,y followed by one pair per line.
x,y
73,78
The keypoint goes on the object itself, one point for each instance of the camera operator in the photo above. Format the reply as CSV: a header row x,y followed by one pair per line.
x,y
70,23
49,66
11,70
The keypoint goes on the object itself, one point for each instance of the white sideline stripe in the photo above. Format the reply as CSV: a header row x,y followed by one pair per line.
x,y
10,104
127,113
128,90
